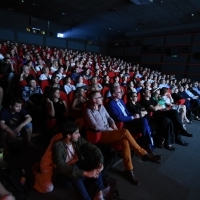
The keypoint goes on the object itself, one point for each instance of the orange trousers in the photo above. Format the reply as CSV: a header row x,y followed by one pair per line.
x,y
124,138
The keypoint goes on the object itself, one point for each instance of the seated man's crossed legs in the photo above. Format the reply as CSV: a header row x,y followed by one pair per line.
x,y
125,139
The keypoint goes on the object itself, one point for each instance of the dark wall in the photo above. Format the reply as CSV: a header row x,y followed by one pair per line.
x,y
13,27
173,54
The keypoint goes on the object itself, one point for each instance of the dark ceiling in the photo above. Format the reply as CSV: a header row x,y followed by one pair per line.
x,y
114,18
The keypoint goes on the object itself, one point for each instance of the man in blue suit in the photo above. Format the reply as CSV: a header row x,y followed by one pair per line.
x,y
133,123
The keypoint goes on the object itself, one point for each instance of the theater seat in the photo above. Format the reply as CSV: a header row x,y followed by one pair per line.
x,y
120,125
180,102
44,84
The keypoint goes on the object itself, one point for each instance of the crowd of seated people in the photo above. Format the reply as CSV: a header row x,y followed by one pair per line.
x,y
60,80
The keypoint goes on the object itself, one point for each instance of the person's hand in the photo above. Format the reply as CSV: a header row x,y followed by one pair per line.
x,y
49,101
22,74
100,167
92,174
11,133
136,116
18,129
113,126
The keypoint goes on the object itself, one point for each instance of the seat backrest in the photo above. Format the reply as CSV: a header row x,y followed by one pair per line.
x,y
180,102
71,98
111,74
44,84
104,91
63,96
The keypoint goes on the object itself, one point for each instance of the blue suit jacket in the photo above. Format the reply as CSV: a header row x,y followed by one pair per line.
x,y
116,113
184,94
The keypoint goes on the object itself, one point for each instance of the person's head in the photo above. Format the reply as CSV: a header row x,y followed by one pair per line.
x,y
87,71
7,60
155,93
125,78
45,70
176,90
70,132
116,92
55,63
55,79
186,86
131,84
31,81
68,80
80,92
76,70
54,93
164,91
107,78
133,96
95,98
181,88
29,63
116,79
15,105
94,80
146,93
60,70
80,79
26,69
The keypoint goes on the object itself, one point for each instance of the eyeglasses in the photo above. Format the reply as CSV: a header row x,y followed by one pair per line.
x,y
99,98
120,91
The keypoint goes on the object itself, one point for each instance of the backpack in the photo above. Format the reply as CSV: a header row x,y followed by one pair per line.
x,y
15,180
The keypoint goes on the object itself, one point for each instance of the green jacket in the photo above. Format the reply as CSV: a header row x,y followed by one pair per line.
x,y
59,155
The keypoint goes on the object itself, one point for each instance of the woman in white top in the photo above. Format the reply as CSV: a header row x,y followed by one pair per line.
x,y
60,73
40,66
45,74
166,96
68,87
80,83
54,66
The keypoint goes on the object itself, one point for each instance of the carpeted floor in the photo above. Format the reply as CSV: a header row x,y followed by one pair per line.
x,y
177,178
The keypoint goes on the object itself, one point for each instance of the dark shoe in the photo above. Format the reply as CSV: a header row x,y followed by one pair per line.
x,y
131,177
152,158
149,151
181,142
185,133
169,147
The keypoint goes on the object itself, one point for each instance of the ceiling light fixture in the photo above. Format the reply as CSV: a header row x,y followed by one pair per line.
x,y
192,15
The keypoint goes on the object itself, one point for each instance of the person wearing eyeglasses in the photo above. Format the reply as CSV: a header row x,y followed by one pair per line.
x,y
98,119
162,127
133,123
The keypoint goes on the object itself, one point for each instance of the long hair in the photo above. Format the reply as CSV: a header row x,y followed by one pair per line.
x,y
52,92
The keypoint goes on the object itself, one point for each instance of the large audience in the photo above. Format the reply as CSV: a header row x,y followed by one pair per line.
x,y
99,93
